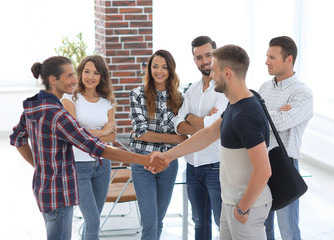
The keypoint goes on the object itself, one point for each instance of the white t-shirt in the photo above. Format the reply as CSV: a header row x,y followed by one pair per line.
x,y
90,116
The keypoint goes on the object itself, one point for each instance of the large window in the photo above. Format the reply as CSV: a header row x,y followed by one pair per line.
x,y
32,29
251,24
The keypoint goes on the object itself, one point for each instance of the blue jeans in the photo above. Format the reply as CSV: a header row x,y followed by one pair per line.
x,y
203,187
287,218
58,223
154,192
93,183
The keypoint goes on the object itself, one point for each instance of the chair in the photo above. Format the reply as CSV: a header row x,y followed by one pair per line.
x,y
121,190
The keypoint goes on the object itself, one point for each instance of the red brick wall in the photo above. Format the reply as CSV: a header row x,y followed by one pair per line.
x,y
123,35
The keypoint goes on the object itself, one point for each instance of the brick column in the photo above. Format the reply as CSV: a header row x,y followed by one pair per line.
x,y
123,35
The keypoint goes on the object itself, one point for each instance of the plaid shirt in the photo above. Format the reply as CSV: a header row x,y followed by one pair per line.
x,y
289,124
163,122
52,132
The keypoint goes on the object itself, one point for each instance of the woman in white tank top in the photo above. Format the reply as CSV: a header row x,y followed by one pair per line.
x,y
92,104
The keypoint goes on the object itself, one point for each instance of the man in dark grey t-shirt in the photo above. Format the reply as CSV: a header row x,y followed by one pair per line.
x,y
244,133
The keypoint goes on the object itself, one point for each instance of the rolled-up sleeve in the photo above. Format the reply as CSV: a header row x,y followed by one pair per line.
x,y
19,137
221,103
69,129
183,111
139,121
208,120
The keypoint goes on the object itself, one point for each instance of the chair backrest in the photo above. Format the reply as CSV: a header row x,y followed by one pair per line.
x,y
121,187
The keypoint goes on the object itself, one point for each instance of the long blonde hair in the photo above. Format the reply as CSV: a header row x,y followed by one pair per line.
x,y
175,99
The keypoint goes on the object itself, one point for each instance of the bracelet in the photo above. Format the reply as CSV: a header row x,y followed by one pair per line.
x,y
185,118
240,211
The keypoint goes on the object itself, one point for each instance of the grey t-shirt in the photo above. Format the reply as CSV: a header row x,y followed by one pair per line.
x,y
244,126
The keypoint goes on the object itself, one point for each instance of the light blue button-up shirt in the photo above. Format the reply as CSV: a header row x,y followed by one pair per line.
x,y
289,124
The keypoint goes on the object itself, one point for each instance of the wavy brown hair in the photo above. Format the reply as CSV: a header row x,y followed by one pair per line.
x,y
105,88
175,99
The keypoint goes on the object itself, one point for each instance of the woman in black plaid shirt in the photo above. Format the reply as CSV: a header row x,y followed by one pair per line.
x,y
153,109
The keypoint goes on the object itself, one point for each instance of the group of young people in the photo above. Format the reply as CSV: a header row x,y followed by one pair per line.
x,y
227,154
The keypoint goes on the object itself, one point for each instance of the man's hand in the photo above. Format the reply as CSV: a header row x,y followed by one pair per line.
x,y
213,111
157,158
285,108
241,218
156,165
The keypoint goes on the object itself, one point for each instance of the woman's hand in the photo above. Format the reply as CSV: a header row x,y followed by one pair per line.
x,y
157,164
109,127
181,138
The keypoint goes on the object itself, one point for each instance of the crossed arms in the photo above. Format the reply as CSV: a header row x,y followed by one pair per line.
x,y
193,123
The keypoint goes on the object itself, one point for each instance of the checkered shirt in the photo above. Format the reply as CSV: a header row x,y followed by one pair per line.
x,y
163,122
289,124
52,132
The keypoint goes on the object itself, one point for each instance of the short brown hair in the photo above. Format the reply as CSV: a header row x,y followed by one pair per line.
x,y
234,57
288,46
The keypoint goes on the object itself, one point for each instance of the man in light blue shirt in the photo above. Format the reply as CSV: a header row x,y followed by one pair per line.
x,y
290,105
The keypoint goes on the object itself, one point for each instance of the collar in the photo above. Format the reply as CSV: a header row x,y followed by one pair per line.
x,y
43,94
286,82
211,83
162,93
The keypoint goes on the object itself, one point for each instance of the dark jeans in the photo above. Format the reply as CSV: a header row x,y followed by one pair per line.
x,y
204,194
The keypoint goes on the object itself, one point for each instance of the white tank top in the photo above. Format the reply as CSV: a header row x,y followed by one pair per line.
x,y
90,116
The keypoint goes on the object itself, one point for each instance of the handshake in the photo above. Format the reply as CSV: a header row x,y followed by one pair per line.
x,y
156,162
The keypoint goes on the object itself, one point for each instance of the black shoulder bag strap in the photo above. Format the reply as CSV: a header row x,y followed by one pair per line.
x,y
272,125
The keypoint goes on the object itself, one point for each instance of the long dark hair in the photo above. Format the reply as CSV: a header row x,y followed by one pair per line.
x,y
175,99
52,66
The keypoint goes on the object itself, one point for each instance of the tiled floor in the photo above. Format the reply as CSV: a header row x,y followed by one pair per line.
x,y
21,218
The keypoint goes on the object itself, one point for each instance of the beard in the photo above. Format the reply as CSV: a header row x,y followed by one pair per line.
x,y
205,72
221,87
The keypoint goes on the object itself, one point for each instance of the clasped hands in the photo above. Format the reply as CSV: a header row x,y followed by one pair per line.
x,y
157,162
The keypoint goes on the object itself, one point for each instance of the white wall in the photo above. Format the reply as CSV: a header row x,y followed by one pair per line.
x,y
38,25
31,29
11,108
318,141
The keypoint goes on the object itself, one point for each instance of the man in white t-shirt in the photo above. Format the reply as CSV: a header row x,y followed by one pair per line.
x,y
202,105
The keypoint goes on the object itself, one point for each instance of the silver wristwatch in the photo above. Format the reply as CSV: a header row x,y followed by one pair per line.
x,y
240,211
